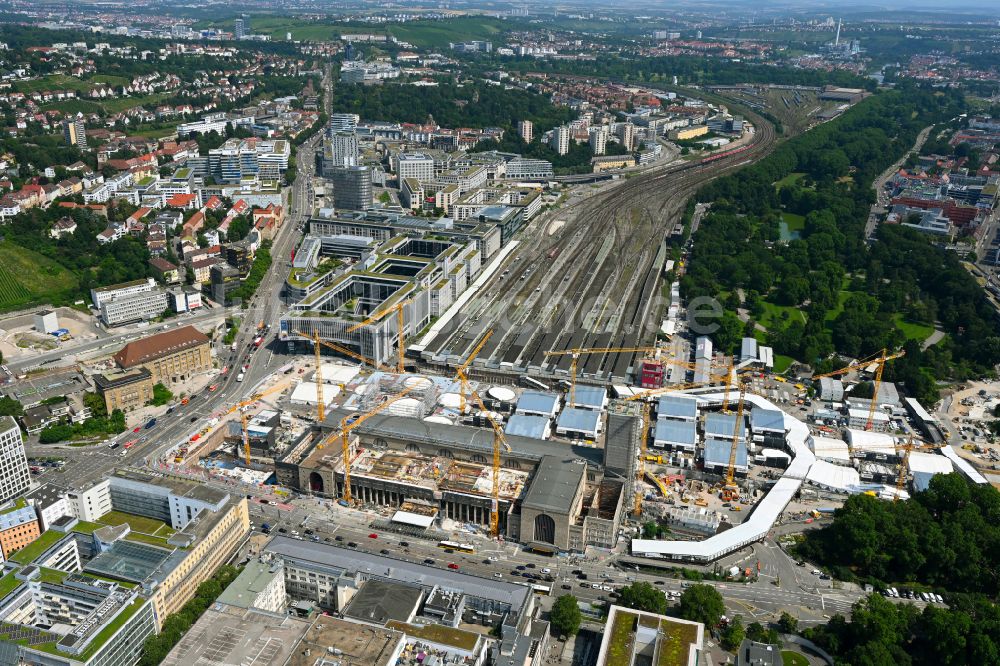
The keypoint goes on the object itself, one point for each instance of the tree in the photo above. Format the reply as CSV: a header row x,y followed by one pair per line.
x,y
733,634
565,616
161,395
701,603
760,634
643,596
788,623
10,407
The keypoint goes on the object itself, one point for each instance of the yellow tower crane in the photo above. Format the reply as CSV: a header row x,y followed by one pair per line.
x,y
641,467
652,393
904,466
318,376
400,325
575,355
731,491
498,441
348,424
463,378
879,360
243,415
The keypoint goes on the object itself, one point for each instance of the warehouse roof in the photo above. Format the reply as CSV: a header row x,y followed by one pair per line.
x,y
676,432
717,452
527,425
579,420
827,448
722,425
538,402
590,397
762,419
554,485
676,407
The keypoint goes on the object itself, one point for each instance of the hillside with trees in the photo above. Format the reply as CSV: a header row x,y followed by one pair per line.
x,y
824,291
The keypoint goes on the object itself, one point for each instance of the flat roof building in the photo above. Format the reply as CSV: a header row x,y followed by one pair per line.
x,y
538,404
676,407
638,638
674,434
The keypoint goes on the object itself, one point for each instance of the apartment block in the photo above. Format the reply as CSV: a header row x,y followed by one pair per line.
x,y
14,475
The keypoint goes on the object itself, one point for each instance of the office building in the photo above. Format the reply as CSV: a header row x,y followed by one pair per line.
x,y
237,159
598,139
560,139
343,122
526,130
74,132
19,526
174,355
127,391
626,135
352,187
418,166
14,475
240,29
101,294
260,585
636,638
357,71
343,149
134,307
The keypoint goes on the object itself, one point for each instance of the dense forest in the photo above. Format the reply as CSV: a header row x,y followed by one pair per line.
x,y
451,105
689,70
845,296
945,538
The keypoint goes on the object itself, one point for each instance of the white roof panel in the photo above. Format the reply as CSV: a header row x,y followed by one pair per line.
x,y
408,518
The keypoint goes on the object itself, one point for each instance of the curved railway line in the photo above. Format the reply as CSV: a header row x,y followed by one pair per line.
x,y
593,282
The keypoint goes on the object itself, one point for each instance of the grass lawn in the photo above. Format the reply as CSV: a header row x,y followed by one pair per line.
x,y
8,584
53,82
27,277
782,363
109,79
73,106
773,315
789,180
912,330
137,523
124,103
842,297
27,554
794,222
163,130
86,527
790,658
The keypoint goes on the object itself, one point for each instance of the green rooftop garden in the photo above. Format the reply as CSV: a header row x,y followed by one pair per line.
x,y
622,637
46,540
53,576
102,636
436,633
8,584
86,527
137,523
676,643
139,537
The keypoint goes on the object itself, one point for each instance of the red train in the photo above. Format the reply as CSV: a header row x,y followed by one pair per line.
x,y
719,156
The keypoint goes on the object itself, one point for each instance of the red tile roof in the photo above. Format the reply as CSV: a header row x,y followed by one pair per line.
x,y
157,346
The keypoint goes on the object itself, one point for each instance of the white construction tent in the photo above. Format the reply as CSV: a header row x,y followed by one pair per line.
x,y
305,394
836,478
866,441
831,450
923,466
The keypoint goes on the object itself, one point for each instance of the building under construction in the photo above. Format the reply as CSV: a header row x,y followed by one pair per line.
x,y
553,495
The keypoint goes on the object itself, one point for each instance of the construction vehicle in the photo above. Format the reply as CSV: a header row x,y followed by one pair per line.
x,y
498,441
463,378
400,327
701,502
878,360
731,491
654,459
348,424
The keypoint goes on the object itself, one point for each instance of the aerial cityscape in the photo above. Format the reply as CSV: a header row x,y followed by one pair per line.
x,y
353,333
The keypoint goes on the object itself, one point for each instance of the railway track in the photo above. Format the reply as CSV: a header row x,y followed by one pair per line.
x,y
594,282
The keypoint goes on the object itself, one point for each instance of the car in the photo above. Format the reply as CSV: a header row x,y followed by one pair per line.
x,y
428,561
283,530
585,586
338,538
520,567
308,531
497,574
595,586
351,544
546,570
383,552
582,576
372,536
815,572
487,562
193,419
657,582
576,572
113,445
530,565
315,537
404,544
452,565
213,387
824,577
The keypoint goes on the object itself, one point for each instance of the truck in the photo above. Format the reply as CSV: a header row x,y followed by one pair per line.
x,y
239,377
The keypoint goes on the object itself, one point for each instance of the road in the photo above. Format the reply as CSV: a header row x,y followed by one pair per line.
x,y
881,205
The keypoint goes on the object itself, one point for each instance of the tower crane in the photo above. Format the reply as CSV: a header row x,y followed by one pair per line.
x,y
318,376
731,491
460,373
641,467
575,354
347,425
498,441
651,393
400,324
879,359
904,467
243,416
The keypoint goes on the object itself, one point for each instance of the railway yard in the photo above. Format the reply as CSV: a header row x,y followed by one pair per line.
x,y
594,281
